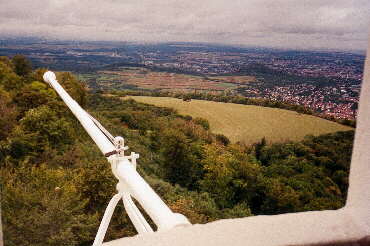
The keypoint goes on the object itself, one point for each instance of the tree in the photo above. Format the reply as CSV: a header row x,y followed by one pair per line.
x,y
231,176
181,158
279,198
8,114
37,75
34,95
222,139
186,98
40,129
9,80
74,87
22,66
258,147
41,206
46,123
202,122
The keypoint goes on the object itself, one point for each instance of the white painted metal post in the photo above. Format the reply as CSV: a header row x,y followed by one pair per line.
x,y
130,184
106,219
97,135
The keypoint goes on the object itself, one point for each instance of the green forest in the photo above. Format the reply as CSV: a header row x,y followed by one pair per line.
x,y
55,183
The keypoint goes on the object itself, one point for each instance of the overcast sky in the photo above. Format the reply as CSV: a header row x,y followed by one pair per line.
x,y
334,24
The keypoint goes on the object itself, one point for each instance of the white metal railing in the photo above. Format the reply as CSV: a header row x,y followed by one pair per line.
x,y
130,183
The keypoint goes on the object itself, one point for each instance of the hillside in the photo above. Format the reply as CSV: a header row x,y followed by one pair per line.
x,y
55,184
248,123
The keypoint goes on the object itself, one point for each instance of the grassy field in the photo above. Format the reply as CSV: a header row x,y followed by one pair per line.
x,y
247,123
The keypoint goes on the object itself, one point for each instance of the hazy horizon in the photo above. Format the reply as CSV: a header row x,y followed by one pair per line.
x,y
26,39
309,25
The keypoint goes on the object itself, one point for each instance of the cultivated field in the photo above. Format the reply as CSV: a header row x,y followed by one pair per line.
x,y
137,77
247,123
147,79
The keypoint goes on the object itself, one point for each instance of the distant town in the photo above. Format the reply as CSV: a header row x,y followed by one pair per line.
x,y
328,82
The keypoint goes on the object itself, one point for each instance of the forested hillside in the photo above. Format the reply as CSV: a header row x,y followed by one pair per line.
x,y
55,184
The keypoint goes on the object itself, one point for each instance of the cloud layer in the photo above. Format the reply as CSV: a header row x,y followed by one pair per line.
x,y
335,24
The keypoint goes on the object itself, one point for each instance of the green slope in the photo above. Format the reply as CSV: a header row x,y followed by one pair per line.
x,y
248,123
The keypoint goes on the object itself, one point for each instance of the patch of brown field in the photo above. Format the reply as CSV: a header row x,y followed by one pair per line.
x,y
147,79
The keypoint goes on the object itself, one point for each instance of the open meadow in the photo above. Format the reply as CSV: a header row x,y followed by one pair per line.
x,y
248,123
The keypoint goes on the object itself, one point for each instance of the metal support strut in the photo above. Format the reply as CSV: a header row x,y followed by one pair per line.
x,y
136,217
